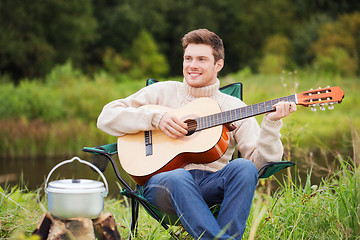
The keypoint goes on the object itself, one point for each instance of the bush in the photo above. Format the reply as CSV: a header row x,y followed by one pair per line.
x,y
146,57
336,62
272,64
276,51
337,46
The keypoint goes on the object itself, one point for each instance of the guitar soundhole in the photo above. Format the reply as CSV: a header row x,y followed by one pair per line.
x,y
192,125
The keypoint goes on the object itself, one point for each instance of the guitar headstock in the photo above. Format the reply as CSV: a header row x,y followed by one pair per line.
x,y
321,97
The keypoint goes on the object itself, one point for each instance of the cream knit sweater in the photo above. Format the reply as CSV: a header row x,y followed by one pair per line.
x,y
129,115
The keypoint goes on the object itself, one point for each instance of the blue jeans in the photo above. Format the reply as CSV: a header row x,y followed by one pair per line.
x,y
190,193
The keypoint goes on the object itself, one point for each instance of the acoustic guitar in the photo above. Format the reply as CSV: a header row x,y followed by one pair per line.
x,y
145,154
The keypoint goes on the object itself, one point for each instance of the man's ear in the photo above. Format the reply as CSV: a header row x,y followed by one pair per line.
x,y
219,65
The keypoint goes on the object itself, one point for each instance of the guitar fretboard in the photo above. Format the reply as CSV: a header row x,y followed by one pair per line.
x,y
240,113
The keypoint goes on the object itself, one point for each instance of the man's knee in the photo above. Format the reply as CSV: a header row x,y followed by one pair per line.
x,y
243,167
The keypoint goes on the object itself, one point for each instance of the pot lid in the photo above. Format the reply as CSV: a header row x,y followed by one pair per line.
x,y
76,184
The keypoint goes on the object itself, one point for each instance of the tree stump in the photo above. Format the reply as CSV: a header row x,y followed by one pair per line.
x,y
51,228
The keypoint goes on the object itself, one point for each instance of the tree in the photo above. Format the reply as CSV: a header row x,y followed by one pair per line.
x,y
146,57
276,52
337,46
34,37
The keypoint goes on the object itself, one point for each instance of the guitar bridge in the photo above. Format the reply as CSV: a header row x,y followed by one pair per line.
x,y
148,143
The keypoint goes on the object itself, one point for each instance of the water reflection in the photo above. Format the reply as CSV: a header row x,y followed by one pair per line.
x,y
33,172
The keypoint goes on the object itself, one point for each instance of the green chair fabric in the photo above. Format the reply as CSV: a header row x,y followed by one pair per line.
x,y
106,151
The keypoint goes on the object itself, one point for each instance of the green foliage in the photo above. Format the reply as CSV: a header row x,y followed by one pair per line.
x,y
336,61
277,44
250,25
272,64
115,63
304,36
146,57
276,50
34,37
337,48
57,115
330,210
19,212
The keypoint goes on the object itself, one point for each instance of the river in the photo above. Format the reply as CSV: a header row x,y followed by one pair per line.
x,y
32,172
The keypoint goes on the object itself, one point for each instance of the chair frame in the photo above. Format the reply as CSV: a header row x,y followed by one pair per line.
x,y
135,195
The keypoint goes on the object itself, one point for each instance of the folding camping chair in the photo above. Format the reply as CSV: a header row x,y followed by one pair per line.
x,y
103,154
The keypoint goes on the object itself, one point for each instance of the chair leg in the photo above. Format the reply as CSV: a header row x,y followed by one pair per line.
x,y
134,217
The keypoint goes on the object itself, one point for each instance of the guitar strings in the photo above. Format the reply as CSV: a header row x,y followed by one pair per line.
x,y
231,115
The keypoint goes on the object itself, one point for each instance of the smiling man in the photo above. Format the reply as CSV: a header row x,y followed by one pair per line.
x,y
189,191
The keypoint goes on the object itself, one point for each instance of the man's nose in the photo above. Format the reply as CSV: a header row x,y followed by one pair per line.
x,y
193,64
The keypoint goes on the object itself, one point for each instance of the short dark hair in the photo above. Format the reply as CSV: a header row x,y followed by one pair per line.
x,y
204,36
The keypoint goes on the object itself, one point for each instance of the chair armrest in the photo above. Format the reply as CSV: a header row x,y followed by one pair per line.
x,y
104,149
271,168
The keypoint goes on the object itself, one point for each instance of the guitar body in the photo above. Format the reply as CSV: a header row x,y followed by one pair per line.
x,y
203,146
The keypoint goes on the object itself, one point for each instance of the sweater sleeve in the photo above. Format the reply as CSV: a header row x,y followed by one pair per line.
x,y
130,115
260,145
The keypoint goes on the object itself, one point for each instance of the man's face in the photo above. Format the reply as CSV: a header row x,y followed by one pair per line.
x,y
199,67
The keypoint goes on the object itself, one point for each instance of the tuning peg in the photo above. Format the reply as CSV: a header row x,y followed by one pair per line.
x,y
322,108
331,106
313,109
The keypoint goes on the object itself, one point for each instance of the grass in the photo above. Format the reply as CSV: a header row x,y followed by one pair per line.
x,y
329,210
296,210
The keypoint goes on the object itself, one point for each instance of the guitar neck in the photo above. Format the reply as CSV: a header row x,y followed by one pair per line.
x,y
240,113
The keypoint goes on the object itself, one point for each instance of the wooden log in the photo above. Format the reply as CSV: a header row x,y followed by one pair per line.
x,y
105,227
81,228
51,228
42,229
57,230
75,228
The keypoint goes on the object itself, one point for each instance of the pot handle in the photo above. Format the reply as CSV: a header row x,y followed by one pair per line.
x,y
81,161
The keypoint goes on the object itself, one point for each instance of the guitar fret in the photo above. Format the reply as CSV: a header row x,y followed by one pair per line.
x,y
228,116
222,117
248,111
233,114
255,109
261,107
268,106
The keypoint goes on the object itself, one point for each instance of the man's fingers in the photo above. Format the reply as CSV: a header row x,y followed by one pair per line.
x,y
282,109
293,107
172,126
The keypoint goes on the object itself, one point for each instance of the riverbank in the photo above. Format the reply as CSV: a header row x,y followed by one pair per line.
x,y
57,115
297,210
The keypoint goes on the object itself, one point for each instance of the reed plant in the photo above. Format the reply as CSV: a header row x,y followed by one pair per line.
x,y
300,210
